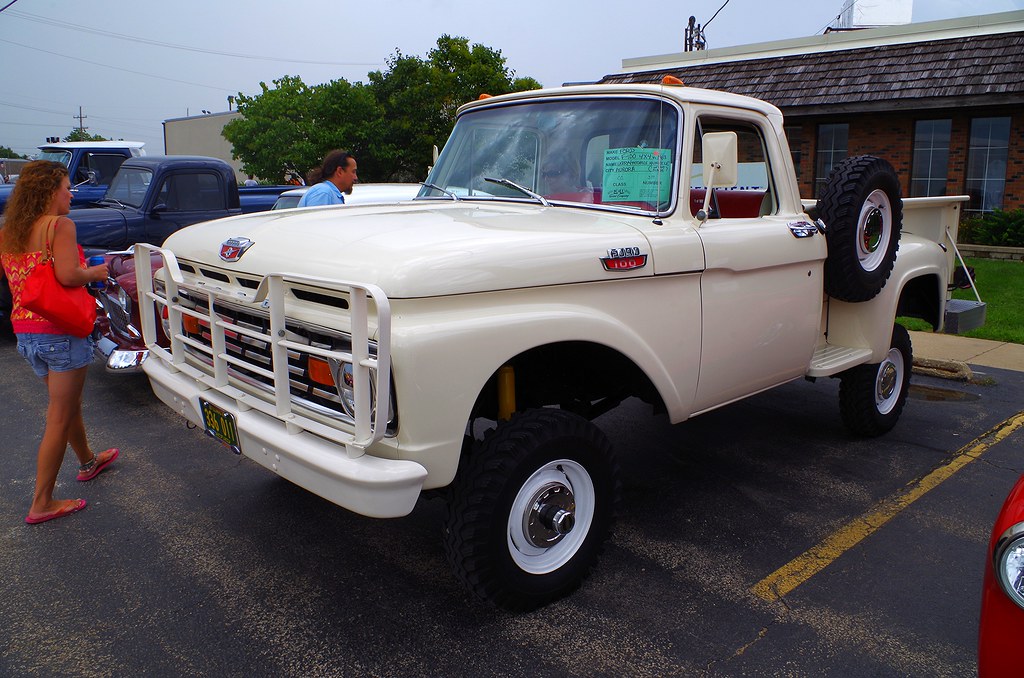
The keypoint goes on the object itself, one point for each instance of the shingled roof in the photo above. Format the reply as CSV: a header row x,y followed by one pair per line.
x,y
980,70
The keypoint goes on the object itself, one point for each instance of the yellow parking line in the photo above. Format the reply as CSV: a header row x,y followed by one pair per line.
x,y
797,571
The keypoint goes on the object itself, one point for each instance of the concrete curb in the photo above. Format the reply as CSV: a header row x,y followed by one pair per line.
x,y
943,369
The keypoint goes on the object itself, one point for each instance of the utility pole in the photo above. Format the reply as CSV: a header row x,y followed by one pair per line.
x,y
81,117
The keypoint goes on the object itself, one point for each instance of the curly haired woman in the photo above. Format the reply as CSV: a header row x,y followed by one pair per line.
x,y
34,220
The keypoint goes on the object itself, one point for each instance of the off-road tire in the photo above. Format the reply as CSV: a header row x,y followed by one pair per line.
x,y
538,457
863,214
871,397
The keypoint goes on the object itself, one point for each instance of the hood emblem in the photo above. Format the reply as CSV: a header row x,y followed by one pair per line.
x,y
232,249
624,259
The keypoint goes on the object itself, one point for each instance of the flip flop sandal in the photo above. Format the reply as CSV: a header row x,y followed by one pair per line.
x,y
99,462
66,510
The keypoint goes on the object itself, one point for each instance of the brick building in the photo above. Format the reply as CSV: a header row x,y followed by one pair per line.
x,y
943,101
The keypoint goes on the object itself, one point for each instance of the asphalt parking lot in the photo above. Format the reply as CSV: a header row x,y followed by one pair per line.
x,y
759,539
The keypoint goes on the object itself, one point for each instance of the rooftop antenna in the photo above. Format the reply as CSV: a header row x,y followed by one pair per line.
x,y
695,38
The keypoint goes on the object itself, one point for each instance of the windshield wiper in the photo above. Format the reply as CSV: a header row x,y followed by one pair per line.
x,y
511,184
113,200
437,188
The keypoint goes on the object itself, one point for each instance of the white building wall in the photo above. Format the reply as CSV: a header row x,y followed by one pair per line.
x,y
201,135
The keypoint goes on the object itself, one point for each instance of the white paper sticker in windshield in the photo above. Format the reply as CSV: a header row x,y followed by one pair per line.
x,y
637,175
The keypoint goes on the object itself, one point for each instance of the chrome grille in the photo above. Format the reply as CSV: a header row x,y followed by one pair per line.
x,y
120,318
257,353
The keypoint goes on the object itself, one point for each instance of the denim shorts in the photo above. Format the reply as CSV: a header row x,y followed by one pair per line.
x,y
55,352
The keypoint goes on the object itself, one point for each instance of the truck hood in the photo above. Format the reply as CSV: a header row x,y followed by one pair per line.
x,y
428,249
101,227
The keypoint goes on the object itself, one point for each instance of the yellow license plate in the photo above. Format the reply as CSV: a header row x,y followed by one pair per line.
x,y
220,425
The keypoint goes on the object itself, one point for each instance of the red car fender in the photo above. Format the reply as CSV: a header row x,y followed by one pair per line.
x,y
999,630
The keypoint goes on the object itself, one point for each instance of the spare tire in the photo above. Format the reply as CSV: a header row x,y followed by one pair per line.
x,y
863,214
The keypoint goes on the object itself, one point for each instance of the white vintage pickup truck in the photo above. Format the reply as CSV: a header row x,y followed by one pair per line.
x,y
571,248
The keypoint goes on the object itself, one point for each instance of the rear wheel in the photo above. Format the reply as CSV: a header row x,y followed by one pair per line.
x,y
530,511
871,397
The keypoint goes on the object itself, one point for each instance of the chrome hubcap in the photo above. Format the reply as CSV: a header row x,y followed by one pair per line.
x,y
889,381
551,516
874,230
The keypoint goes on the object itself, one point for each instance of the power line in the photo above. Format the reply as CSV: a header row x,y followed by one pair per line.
x,y
716,13
186,48
32,108
117,68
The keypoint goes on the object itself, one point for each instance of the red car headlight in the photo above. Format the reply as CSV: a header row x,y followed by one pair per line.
x,y
1008,561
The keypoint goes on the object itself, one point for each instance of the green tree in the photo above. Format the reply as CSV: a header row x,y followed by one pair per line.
x,y
291,126
419,98
6,152
79,134
390,124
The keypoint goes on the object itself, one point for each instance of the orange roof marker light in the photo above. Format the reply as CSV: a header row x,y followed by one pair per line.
x,y
485,96
671,80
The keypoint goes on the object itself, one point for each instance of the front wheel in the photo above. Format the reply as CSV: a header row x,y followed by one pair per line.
x,y
871,397
530,511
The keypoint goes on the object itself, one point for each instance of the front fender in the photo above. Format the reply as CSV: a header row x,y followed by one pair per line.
x,y
868,324
444,350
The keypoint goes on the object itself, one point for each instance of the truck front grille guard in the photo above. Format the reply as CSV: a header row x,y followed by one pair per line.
x,y
371,373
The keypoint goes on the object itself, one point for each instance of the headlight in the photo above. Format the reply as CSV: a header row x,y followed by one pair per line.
x,y
345,381
1009,563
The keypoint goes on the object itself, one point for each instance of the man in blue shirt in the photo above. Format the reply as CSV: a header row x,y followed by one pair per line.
x,y
338,174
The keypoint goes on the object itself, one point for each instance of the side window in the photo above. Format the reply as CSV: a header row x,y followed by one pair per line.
x,y
594,164
754,193
105,166
184,192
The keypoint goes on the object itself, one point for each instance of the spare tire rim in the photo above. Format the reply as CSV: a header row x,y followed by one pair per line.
x,y
874,230
551,516
889,381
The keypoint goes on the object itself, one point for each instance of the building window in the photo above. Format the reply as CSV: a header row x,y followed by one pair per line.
x,y
832,147
795,135
986,163
931,158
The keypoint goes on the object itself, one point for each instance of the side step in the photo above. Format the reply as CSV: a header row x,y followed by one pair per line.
x,y
963,315
830,359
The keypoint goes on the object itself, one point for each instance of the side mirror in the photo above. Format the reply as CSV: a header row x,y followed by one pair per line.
x,y
93,177
720,155
719,150
158,209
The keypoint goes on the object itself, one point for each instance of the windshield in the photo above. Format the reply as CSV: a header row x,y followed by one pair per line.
x,y
129,186
612,152
63,157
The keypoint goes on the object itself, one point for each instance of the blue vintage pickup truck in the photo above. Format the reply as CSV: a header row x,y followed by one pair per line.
x,y
91,165
152,196
155,195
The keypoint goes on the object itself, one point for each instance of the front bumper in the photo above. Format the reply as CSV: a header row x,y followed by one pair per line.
x,y
120,360
368,485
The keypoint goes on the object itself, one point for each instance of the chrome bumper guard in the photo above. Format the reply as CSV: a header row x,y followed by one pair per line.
x,y
273,431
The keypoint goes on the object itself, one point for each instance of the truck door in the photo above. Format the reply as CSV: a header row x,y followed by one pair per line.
x,y
93,174
182,199
761,290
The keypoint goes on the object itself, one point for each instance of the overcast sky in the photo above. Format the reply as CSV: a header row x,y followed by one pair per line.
x,y
132,64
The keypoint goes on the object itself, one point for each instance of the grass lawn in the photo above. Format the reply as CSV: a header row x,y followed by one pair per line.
x,y
1001,286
